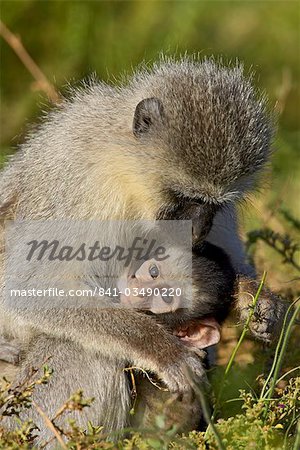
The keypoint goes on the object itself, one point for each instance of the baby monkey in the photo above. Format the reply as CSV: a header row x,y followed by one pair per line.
x,y
216,290
197,324
151,289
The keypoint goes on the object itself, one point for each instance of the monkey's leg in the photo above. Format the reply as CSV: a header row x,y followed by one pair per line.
x,y
183,411
9,358
9,350
75,368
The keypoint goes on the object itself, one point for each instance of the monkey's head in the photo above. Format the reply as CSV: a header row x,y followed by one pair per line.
x,y
151,289
202,137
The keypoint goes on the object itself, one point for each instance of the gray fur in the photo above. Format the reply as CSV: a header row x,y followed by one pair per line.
x,y
207,144
215,130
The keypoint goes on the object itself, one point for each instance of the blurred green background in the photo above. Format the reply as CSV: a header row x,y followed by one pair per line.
x,y
71,39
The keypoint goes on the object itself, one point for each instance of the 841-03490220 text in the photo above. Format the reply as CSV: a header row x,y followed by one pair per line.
x,y
97,291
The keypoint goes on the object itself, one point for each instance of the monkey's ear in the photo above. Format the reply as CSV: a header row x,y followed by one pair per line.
x,y
200,333
147,113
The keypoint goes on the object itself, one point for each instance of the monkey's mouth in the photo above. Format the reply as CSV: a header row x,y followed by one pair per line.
x,y
200,213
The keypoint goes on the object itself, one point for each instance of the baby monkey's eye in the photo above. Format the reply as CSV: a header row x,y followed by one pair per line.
x,y
153,271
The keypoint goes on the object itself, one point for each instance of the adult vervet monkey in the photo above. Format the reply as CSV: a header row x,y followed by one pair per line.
x,y
183,140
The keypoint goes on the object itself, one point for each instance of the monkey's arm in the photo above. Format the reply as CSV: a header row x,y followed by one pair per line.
x,y
269,313
120,334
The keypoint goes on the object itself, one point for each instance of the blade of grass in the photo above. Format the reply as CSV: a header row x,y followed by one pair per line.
x,y
280,358
280,340
293,420
246,326
235,350
297,439
285,375
206,411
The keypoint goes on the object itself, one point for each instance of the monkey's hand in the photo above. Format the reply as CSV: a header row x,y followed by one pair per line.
x,y
177,376
267,319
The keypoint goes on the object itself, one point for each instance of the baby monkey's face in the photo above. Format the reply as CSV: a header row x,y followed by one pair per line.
x,y
151,288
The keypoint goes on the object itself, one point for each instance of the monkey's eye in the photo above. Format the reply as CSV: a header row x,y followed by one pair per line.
x,y
153,271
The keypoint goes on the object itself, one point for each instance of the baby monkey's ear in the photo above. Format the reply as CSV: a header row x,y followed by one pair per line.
x,y
148,113
200,333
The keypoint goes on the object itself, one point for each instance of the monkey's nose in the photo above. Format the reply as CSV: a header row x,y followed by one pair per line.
x,y
199,231
202,221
